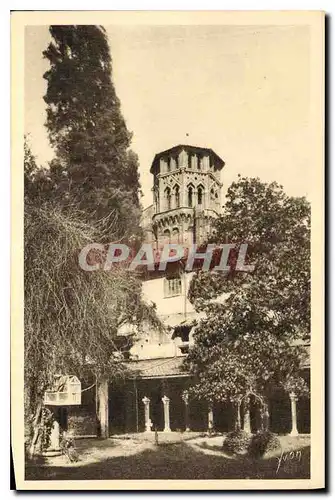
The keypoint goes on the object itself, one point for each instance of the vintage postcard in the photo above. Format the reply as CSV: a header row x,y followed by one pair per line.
x,y
167,277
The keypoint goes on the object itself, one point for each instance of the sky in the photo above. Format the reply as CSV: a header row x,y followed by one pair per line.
x,y
243,91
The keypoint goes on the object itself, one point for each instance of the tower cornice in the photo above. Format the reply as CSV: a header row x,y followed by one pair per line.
x,y
191,149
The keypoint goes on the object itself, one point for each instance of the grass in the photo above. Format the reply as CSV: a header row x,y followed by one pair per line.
x,y
183,460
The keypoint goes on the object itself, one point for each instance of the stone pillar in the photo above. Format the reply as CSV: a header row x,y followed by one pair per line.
x,y
246,420
294,428
266,418
187,412
54,437
103,408
166,403
148,423
210,419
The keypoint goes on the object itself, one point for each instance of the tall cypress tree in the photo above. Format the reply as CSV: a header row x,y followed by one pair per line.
x,y
87,129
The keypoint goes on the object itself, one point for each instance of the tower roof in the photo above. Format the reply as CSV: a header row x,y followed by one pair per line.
x,y
194,149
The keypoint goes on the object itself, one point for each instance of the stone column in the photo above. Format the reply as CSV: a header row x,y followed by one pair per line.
x,y
294,429
187,412
210,419
103,408
166,403
246,420
148,423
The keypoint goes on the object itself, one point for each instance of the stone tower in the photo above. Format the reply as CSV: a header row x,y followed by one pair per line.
x,y
186,195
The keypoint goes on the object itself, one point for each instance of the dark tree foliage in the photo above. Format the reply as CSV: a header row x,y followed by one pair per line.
x,y
94,165
89,193
71,317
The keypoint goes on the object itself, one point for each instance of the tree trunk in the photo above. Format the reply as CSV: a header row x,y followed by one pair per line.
x,y
36,430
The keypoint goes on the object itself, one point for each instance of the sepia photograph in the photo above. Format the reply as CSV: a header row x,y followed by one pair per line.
x,y
167,321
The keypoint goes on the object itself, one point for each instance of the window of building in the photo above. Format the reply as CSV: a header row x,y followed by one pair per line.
x,y
172,286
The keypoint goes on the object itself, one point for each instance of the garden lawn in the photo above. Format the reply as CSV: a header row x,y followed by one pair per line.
x,y
130,459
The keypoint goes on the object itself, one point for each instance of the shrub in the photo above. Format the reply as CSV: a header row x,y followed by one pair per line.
x,y
263,442
236,442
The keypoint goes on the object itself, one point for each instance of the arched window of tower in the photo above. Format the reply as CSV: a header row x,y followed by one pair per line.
x,y
168,198
200,196
190,196
167,236
175,235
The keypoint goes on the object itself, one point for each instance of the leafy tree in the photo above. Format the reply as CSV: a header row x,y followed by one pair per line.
x,y
249,341
94,165
89,193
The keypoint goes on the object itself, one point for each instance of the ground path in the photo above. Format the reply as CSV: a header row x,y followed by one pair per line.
x,y
178,456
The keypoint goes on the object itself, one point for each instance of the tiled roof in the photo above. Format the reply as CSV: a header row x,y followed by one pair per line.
x,y
157,368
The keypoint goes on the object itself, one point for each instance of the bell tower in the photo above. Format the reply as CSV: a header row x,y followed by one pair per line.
x,y
186,195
